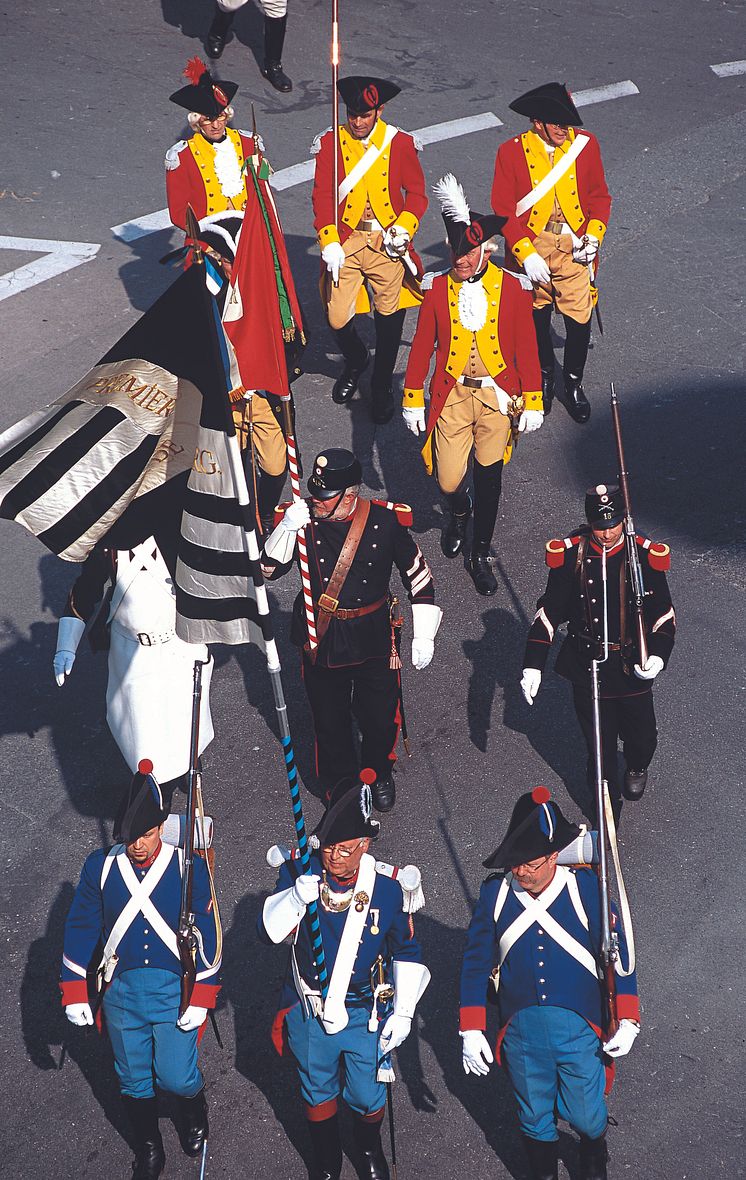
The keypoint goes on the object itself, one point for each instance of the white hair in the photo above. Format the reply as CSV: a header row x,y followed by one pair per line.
x,y
194,117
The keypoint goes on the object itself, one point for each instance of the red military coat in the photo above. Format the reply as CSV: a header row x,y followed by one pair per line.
x,y
191,178
522,162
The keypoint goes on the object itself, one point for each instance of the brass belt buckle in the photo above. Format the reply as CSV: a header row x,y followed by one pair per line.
x,y
328,604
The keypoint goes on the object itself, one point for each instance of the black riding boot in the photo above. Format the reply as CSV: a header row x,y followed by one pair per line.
x,y
577,339
454,534
368,1142
543,327
542,1158
268,497
356,358
487,488
195,1128
327,1148
593,1156
274,39
217,34
388,338
150,1158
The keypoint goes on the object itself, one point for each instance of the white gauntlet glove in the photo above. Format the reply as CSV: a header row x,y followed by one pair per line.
x,y
334,257
79,1014
426,619
476,1053
414,419
587,250
530,683
530,420
650,669
192,1019
623,1039
306,889
283,911
280,544
536,268
395,241
69,634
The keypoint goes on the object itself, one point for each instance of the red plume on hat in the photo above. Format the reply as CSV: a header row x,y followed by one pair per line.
x,y
194,69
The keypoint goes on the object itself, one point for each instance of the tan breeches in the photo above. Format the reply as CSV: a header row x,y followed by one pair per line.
x,y
268,437
466,423
364,259
570,281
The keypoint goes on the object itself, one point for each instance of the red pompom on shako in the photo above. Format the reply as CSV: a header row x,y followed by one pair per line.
x,y
540,795
367,775
145,766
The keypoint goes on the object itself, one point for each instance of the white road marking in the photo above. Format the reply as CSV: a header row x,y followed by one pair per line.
x,y
727,69
57,258
586,98
151,223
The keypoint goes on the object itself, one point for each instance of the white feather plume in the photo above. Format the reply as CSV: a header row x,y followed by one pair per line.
x,y
452,199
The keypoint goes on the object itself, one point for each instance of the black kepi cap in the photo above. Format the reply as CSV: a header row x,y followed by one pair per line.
x,y
537,828
142,806
549,103
465,229
334,471
349,814
604,506
204,94
362,94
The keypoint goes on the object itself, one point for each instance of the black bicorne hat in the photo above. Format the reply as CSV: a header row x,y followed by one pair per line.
x,y
465,229
220,231
550,103
604,506
362,94
349,813
204,94
537,828
334,471
142,806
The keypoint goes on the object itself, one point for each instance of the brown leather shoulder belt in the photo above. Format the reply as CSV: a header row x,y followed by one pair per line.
x,y
329,601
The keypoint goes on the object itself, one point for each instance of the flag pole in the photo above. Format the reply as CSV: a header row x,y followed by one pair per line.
x,y
305,573
335,107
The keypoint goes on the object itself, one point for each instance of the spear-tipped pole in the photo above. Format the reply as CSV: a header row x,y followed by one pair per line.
x,y
305,573
335,106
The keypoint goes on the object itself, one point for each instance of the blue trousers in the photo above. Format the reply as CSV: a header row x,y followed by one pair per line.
x,y
141,1008
321,1057
555,1064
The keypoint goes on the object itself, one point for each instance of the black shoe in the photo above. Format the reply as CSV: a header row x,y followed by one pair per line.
x,y
454,534
368,1142
195,1129
542,1158
384,793
479,567
578,406
150,1158
382,406
547,389
276,76
217,34
635,782
345,387
593,1156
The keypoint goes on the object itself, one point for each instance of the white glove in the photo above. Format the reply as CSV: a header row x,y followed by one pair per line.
x,y
530,684
414,419
69,633
79,1014
653,665
296,517
477,1055
192,1019
536,268
394,1032
530,420
426,618
334,257
623,1039
280,544
423,651
587,250
306,889
395,241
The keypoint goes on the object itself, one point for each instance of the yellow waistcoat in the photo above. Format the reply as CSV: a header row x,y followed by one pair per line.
x,y
204,157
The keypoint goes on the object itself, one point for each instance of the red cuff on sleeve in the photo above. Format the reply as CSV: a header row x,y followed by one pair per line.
x,y
204,995
74,991
628,1008
473,1019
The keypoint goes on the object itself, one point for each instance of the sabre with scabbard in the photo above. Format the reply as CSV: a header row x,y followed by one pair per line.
x,y
395,662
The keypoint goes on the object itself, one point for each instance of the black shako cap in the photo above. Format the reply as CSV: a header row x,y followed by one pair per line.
x,y
142,806
604,506
334,471
349,814
537,828
204,94
550,103
362,94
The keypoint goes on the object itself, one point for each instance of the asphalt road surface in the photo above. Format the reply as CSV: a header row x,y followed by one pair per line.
x,y
86,123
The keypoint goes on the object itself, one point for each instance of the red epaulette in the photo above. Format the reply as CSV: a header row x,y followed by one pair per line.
x,y
403,511
659,554
280,511
556,549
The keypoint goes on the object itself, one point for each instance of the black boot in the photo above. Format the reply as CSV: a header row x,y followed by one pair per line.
x,y
384,792
543,327
217,34
368,1142
487,488
269,494
327,1148
542,1158
274,39
356,358
593,1156
388,338
576,353
195,1128
150,1158
454,534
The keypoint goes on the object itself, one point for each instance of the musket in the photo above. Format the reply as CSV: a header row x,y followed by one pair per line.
x,y
186,935
630,536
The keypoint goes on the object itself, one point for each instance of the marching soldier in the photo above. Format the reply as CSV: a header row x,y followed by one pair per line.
x,y
589,587
535,937
367,235
275,26
224,175
549,185
485,389
374,962
352,545
129,901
